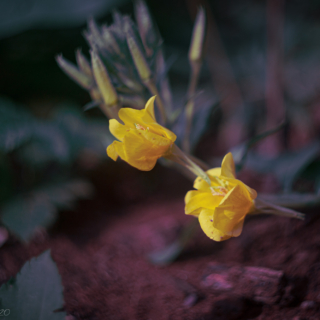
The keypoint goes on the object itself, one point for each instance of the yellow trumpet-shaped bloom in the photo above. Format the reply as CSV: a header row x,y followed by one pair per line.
x,y
221,207
142,141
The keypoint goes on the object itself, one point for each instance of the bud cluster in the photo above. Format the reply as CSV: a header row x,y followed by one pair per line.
x,y
126,61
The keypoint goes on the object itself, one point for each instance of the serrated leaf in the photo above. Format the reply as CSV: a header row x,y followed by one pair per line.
x,y
36,293
24,214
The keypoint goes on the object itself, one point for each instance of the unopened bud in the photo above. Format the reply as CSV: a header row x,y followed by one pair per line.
x,y
84,64
103,81
198,35
110,41
137,55
146,26
74,73
94,36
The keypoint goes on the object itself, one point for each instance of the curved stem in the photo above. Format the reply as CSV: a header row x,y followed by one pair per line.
x,y
180,157
262,206
189,109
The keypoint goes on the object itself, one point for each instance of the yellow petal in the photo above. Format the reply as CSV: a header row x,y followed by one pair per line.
x,y
145,118
200,184
117,129
227,167
188,209
238,229
198,200
144,148
155,139
131,116
116,149
252,192
233,208
111,152
233,182
207,225
150,107
214,172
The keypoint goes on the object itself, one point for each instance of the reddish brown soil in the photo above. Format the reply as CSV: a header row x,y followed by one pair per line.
x,y
101,249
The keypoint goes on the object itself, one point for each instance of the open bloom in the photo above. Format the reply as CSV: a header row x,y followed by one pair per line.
x,y
142,140
221,207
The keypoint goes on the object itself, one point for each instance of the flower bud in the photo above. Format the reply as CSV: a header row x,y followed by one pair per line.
x,y
149,34
103,81
198,35
84,64
110,41
74,73
137,55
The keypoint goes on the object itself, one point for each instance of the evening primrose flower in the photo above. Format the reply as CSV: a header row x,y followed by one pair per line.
x,y
142,141
221,208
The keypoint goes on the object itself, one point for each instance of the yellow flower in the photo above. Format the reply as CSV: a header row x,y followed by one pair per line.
x,y
143,140
221,208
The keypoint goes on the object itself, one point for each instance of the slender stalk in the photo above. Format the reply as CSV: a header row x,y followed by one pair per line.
x,y
262,206
177,155
274,74
111,112
195,72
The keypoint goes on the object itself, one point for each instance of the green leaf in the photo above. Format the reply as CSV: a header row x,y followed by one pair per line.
x,y
240,152
16,125
36,293
288,166
24,214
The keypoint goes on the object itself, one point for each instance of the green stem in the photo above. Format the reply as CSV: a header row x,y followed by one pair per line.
x,y
178,156
189,109
262,206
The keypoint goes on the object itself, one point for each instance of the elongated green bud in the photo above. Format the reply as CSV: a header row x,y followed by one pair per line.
x,y
110,41
137,55
94,29
94,36
145,25
74,73
198,35
103,81
83,64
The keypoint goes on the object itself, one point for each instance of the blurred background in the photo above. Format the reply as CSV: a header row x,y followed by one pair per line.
x,y
262,65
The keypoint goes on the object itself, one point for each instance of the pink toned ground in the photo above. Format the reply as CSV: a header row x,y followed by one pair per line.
x,y
101,249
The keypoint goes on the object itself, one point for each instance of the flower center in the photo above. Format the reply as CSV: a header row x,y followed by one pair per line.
x,y
218,191
140,127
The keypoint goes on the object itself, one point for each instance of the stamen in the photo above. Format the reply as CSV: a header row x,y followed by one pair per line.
x,y
139,126
221,191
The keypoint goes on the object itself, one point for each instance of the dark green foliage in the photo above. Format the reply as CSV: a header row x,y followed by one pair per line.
x,y
36,292
37,164
288,166
24,214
